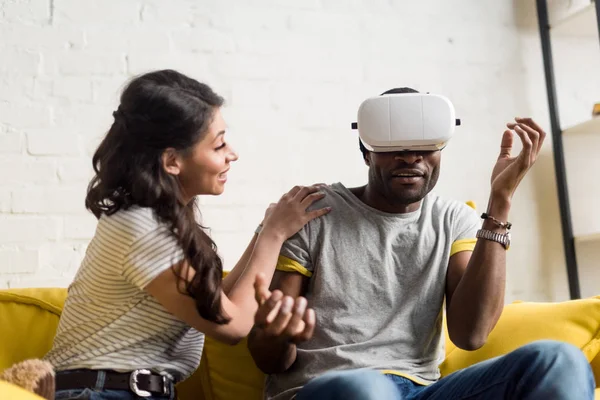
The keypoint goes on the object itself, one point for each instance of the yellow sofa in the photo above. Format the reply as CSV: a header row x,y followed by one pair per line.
x,y
29,317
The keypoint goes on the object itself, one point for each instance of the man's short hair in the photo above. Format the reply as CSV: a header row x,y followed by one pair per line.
x,y
363,149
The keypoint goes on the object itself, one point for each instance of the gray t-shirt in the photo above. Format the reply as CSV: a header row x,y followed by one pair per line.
x,y
377,285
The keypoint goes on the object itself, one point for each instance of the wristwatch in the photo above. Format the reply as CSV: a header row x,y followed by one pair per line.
x,y
502,238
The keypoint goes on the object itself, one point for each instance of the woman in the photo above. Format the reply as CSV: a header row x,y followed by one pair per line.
x,y
151,283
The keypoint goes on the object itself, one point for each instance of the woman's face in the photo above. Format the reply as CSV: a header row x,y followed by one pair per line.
x,y
204,169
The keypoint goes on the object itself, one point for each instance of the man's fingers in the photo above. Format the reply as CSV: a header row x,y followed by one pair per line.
x,y
531,123
282,318
534,136
296,324
261,289
263,314
527,145
309,328
506,144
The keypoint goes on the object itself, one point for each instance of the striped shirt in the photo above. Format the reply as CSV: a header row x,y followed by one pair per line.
x,y
109,321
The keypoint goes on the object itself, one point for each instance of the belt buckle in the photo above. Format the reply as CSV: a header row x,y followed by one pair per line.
x,y
166,386
133,382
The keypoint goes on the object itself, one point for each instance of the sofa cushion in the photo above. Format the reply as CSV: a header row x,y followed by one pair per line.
x,y
232,372
28,317
14,392
576,322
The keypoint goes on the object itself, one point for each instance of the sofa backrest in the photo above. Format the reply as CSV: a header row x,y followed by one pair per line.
x,y
28,321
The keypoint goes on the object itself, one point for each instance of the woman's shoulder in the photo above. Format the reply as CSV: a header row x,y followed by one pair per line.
x,y
134,222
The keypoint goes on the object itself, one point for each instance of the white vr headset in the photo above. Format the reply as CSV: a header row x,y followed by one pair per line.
x,y
405,122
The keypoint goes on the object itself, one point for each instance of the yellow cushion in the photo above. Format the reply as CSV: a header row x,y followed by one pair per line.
x,y
576,322
232,372
28,318
14,392
596,369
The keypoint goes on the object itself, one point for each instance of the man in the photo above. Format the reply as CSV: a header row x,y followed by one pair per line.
x,y
376,272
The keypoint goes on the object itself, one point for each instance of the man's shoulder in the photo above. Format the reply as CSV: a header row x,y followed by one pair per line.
x,y
334,194
440,206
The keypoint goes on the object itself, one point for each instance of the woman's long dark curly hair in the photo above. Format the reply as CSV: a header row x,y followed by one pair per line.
x,y
160,110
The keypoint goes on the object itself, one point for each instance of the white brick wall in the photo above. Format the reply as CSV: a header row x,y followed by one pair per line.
x,y
292,73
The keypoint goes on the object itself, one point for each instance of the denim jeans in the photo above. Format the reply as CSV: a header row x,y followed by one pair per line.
x,y
90,394
103,394
540,370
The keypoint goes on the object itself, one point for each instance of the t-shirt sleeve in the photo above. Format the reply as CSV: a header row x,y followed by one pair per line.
x,y
150,255
466,223
295,254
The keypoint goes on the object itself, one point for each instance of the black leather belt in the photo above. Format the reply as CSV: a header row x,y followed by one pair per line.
x,y
142,382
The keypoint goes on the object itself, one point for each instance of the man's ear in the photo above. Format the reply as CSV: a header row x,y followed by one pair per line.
x,y
367,158
171,161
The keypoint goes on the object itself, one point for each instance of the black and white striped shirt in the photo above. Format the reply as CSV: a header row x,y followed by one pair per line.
x,y
109,321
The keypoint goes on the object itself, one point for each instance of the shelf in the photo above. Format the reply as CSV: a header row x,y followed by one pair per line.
x,y
591,126
582,23
586,238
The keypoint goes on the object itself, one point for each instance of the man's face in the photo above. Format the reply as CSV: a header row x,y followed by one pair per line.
x,y
403,177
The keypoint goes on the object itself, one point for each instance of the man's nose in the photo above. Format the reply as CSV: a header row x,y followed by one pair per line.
x,y
409,157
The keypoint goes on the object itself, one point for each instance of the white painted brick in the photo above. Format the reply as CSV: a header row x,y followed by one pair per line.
x,y
60,258
291,4
4,283
80,227
16,60
30,230
11,142
175,13
250,94
347,6
108,90
5,197
29,12
16,87
248,194
231,246
310,22
24,115
42,88
231,219
202,40
80,63
45,37
96,12
254,67
73,88
51,200
71,170
139,39
19,170
195,65
44,142
40,282
18,260
83,119
247,21
91,145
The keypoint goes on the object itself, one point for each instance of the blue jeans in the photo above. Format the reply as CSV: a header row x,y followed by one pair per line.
x,y
91,394
540,370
